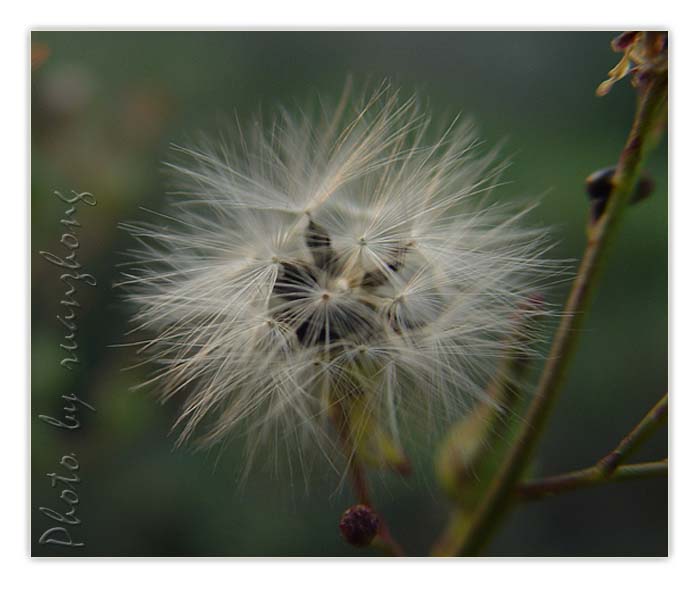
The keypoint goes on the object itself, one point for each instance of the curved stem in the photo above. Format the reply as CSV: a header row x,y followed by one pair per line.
x,y
650,109
589,477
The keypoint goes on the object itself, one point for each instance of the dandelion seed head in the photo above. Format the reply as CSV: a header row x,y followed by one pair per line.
x,y
326,258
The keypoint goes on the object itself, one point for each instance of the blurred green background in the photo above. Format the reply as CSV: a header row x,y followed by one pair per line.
x,y
105,106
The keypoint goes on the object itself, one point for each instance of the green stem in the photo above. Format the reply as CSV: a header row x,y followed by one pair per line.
x,y
459,465
650,108
450,541
589,477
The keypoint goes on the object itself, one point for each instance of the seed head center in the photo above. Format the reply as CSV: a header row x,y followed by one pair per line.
x,y
342,284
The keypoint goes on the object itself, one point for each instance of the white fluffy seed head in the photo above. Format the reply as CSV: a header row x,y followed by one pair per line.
x,y
331,257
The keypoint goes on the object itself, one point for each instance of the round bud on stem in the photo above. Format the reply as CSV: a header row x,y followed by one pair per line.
x,y
359,525
599,186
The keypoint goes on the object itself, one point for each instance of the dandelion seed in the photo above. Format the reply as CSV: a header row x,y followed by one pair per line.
x,y
339,271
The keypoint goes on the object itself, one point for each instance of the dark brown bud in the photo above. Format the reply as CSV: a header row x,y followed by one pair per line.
x,y
359,525
599,186
599,183
644,188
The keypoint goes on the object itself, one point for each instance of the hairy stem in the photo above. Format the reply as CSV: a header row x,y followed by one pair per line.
x,y
650,110
589,477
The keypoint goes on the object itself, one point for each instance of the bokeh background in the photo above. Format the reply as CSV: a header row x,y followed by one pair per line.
x,y
106,105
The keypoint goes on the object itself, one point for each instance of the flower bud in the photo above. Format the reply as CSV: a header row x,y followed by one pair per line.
x,y
599,186
359,525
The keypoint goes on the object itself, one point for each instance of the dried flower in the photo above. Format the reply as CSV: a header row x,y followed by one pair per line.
x,y
645,53
333,273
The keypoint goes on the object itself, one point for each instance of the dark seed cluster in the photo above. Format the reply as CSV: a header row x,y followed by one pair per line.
x,y
359,525
296,279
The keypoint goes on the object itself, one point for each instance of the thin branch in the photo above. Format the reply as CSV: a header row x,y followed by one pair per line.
x,y
607,468
650,110
633,440
383,540
589,477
